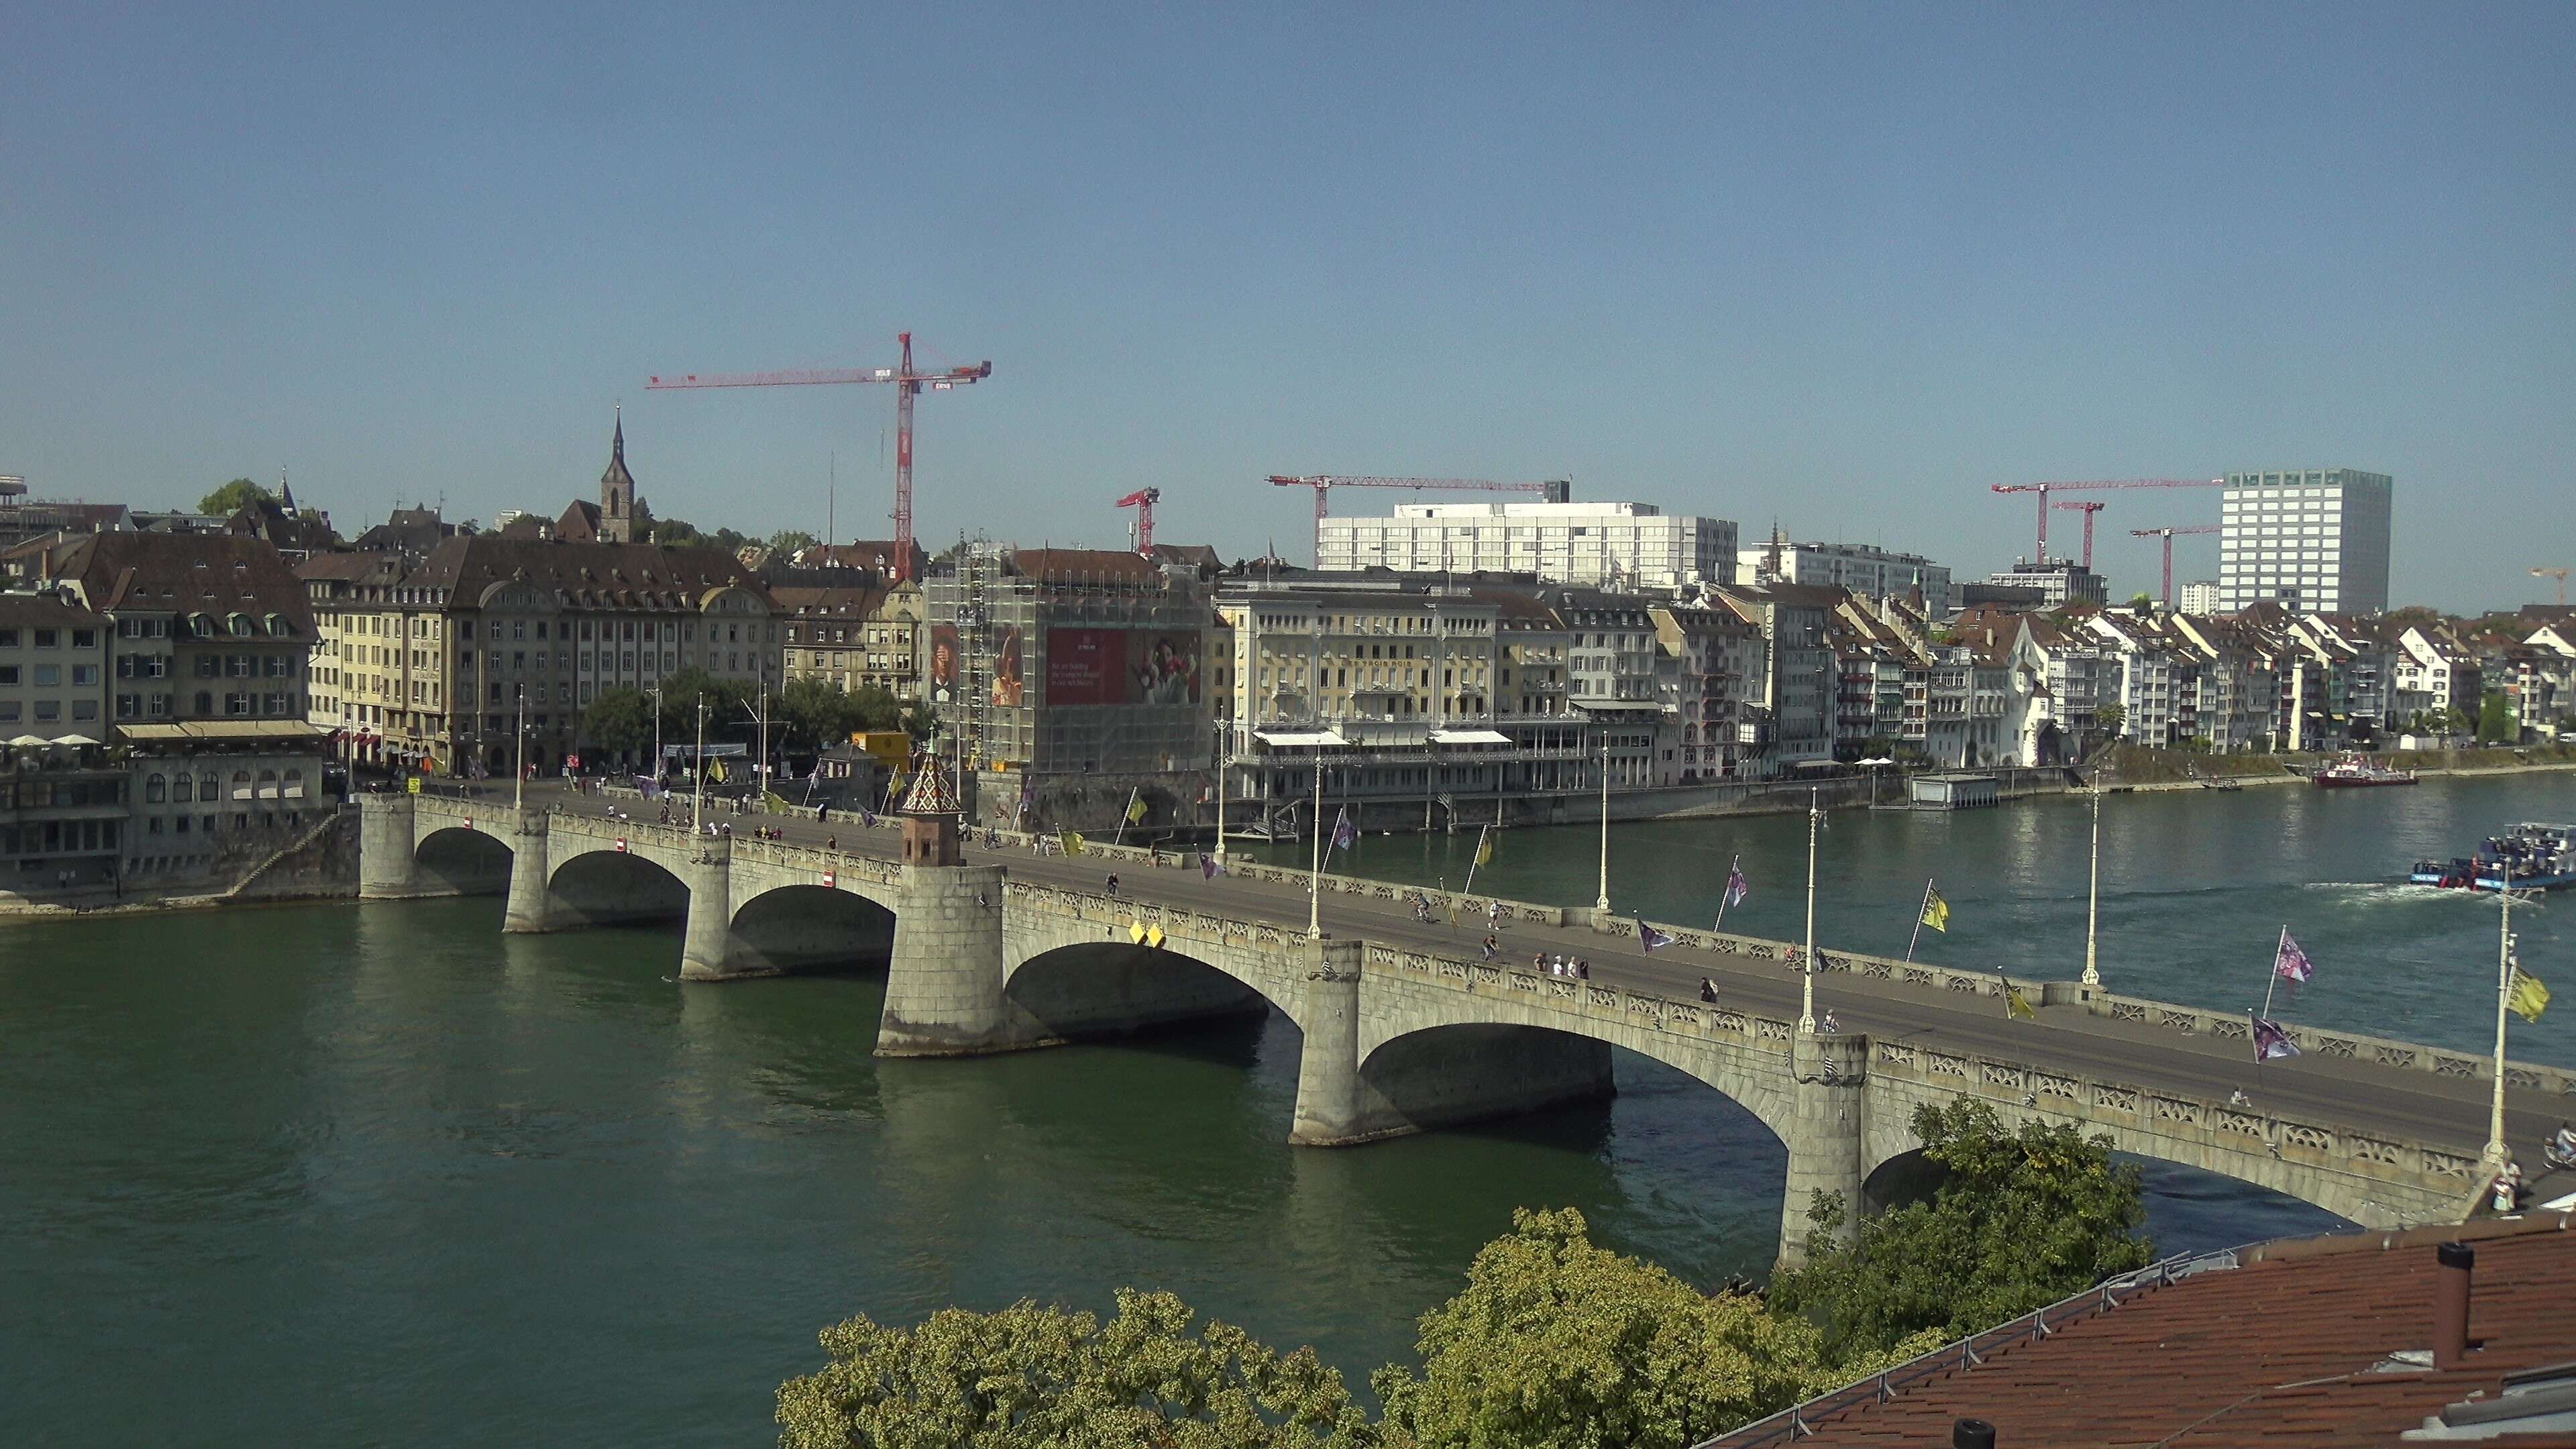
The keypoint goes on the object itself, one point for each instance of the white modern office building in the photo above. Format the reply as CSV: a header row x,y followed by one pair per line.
x,y
2201,596
1858,567
1602,545
2314,540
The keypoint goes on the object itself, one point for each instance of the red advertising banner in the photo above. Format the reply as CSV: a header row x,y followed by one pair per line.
x,y
1086,666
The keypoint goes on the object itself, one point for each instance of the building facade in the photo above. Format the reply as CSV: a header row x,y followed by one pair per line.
x,y
1858,567
1601,545
2312,540
2059,582
2201,597
854,636
53,668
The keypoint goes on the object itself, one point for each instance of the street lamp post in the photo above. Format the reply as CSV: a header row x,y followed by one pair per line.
x,y
519,756
1807,976
655,690
2093,900
1315,872
1601,904
698,776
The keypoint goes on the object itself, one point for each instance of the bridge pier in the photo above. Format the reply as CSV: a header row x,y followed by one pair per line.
x,y
706,952
1827,1136
944,983
386,848
1332,1106
531,907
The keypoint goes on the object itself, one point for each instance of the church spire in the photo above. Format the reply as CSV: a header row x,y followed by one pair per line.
x,y
285,493
617,489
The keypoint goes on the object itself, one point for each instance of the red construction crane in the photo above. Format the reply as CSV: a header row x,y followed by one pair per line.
x,y
2167,534
2088,510
1143,501
1555,490
2561,576
2044,489
907,384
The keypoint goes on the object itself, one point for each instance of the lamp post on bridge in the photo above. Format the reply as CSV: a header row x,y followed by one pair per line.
x,y
1807,975
519,756
2497,1154
1315,873
1601,905
2093,899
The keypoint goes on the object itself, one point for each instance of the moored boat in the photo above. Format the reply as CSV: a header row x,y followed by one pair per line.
x,y
2357,770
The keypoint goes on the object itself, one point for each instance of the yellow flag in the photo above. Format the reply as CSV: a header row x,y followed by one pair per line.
x,y
1936,911
1136,811
2016,1005
1136,932
2526,997
1072,841
716,771
779,802
1154,937
1485,850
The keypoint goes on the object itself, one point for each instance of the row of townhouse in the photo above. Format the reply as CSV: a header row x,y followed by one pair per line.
x,y
189,654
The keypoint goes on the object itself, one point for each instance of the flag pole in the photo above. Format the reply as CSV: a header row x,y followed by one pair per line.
x,y
2273,982
1807,963
1918,919
2496,1155
1130,808
1732,866
1474,860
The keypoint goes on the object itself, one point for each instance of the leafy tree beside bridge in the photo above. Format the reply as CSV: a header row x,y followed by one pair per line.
x,y
1554,1343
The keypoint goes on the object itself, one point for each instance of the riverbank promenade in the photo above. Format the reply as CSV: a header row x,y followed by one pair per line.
x,y
1409,1026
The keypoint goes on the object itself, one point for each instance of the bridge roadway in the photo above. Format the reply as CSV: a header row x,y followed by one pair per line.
x,y
1403,1029
2065,1036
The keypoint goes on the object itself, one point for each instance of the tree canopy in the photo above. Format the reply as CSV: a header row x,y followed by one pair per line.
x,y
789,540
1556,1343
2020,1220
1030,1376
232,498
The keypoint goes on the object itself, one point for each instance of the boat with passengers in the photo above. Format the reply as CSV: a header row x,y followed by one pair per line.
x,y
2535,855
2355,769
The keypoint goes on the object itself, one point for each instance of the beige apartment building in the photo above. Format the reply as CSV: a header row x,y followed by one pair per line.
x,y
435,665
854,637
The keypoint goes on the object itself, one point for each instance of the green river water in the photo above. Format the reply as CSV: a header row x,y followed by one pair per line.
x,y
375,1174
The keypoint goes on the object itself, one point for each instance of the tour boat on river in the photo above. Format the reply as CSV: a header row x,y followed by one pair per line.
x,y
2541,857
2354,770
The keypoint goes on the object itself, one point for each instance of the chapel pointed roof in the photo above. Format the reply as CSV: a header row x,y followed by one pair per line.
x,y
930,793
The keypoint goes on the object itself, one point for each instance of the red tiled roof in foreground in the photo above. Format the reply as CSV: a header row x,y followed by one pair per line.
x,y
2278,1351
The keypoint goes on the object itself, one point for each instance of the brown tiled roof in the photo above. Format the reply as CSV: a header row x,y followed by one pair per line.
x,y
2279,1351
214,573
45,611
1795,596
828,602
1084,565
592,575
350,567
864,553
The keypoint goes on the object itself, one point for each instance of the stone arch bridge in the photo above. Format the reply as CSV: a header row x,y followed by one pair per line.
x,y
1399,1035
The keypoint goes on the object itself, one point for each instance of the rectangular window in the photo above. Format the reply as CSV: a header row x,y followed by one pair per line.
x,y
84,709
49,674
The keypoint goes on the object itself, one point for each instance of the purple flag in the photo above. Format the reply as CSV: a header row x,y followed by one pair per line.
x,y
867,817
2270,1041
1736,887
1345,834
2290,963
1650,938
1209,866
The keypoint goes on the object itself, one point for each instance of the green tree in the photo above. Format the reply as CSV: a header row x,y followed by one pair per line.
x,y
619,720
2020,1219
2143,602
789,540
2495,721
232,498
728,707
1556,1343
1029,1377
2110,717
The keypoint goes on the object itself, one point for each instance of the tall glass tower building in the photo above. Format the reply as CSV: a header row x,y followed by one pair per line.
x,y
2311,539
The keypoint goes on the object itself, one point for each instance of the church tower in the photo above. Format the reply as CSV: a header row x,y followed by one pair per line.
x,y
617,491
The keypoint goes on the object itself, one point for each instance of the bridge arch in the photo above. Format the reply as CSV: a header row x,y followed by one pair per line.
x,y
604,887
800,926
1111,987
1506,1060
461,861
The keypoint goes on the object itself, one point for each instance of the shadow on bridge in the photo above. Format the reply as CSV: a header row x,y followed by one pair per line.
x,y
461,862
810,928
605,887
1106,989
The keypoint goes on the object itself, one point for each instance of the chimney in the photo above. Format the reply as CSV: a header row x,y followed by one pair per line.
x,y
2451,1304
1972,1434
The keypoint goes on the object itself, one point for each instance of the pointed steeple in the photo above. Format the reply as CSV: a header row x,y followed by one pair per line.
x,y
285,493
617,489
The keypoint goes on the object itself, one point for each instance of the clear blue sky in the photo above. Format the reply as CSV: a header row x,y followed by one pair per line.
x,y
1839,265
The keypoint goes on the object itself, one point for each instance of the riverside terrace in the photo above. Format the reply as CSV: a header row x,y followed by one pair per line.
x,y
1405,1030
